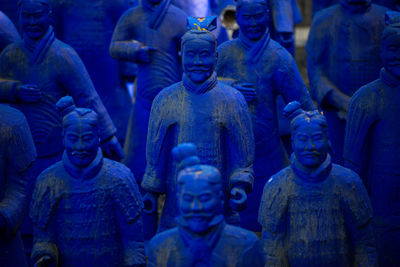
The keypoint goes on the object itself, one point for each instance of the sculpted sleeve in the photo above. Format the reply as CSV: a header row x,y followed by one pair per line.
x,y
290,84
154,178
8,86
20,155
240,143
361,117
75,79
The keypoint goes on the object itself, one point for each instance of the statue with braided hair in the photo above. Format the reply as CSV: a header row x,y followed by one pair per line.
x,y
86,209
200,110
315,213
202,238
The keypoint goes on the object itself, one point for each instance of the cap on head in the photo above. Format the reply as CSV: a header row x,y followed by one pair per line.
x,y
72,115
200,28
190,168
298,116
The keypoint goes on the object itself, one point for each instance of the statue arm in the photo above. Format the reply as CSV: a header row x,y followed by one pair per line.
x,y
8,86
123,44
20,156
240,144
154,177
44,250
274,247
361,118
288,80
75,79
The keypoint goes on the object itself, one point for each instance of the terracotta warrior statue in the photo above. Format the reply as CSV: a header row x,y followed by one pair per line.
x,y
210,114
315,213
86,209
202,237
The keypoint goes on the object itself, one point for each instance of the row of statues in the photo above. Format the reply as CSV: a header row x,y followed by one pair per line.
x,y
88,210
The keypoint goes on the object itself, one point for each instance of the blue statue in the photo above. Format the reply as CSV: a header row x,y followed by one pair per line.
x,y
148,35
86,209
342,55
8,32
318,5
39,70
87,27
17,155
210,114
315,213
261,69
202,238
372,145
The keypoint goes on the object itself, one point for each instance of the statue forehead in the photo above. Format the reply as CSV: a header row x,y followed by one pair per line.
x,y
196,186
240,3
42,2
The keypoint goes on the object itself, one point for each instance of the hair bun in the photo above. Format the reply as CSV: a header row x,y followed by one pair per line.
x,y
186,155
292,110
65,105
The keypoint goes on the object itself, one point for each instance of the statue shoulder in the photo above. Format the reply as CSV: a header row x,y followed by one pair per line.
x,y
234,234
162,243
228,46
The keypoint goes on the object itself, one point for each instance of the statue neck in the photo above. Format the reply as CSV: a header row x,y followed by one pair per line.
x,y
312,175
355,9
147,5
389,79
202,88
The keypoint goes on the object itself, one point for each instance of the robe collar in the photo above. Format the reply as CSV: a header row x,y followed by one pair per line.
x,y
255,48
38,48
358,9
83,173
158,12
202,88
201,246
389,79
313,175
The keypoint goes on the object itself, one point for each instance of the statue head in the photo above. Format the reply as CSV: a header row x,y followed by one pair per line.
x,y
199,49
310,140
390,49
35,17
199,191
252,17
80,132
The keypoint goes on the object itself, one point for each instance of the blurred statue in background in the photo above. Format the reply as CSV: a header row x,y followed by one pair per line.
x,y
315,213
372,145
17,155
210,114
261,69
86,209
343,55
8,32
202,238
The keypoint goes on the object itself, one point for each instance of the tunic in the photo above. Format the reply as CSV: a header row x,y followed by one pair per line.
x,y
17,153
323,221
343,55
217,121
58,71
161,29
92,220
372,148
230,246
275,73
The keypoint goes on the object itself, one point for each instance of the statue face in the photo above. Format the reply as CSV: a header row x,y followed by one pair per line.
x,y
198,60
310,144
81,143
34,19
253,19
199,204
390,55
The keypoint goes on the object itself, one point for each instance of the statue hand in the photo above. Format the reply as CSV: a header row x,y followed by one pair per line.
x,y
29,93
150,203
238,199
247,89
112,149
286,37
45,261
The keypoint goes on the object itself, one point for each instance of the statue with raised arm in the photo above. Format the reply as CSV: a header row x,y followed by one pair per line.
x,y
16,158
210,114
202,237
343,55
313,212
372,145
261,70
8,32
39,70
86,209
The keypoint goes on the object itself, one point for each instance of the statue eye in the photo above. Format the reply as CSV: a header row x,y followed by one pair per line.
x,y
205,197
187,197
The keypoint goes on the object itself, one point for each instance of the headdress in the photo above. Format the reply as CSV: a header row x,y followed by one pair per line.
x,y
200,28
